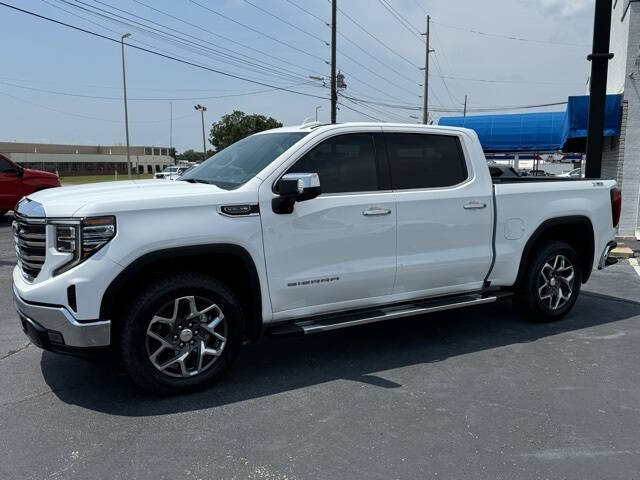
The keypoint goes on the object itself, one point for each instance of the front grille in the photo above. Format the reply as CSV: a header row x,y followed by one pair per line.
x,y
30,238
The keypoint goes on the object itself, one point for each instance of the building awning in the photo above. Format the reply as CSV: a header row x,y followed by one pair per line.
x,y
537,132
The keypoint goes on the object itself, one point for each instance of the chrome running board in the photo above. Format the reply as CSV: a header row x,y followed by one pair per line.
x,y
379,314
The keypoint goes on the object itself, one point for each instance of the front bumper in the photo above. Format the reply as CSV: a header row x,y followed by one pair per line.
x,y
54,328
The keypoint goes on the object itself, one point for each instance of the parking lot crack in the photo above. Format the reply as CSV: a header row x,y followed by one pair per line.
x,y
13,352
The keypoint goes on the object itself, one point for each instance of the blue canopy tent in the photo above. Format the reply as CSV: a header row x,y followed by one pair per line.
x,y
539,132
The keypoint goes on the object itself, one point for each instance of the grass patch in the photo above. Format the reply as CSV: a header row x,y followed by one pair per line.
x,y
100,178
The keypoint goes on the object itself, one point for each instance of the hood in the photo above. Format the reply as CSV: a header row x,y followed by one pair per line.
x,y
39,174
113,197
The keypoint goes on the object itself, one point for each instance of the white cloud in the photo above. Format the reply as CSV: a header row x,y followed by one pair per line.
x,y
563,8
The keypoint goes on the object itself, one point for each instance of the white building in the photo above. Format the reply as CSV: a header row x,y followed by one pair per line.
x,y
621,160
86,159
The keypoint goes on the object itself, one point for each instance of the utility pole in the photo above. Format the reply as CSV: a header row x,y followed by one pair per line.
x,y
171,132
599,58
465,105
334,88
425,96
126,113
202,109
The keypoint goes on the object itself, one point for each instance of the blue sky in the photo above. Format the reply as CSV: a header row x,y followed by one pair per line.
x,y
494,71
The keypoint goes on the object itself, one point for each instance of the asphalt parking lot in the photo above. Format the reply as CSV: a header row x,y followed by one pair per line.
x,y
476,393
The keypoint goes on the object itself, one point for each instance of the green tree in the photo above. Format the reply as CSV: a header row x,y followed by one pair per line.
x,y
237,125
190,156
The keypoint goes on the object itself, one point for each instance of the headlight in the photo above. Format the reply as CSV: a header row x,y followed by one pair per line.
x,y
82,238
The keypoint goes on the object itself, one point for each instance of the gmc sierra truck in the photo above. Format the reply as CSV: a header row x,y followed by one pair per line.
x,y
298,230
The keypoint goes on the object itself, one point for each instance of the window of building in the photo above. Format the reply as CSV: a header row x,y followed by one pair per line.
x,y
346,163
158,169
425,161
156,151
163,151
149,168
148,151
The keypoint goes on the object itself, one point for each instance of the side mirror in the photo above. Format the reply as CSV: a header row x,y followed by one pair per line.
x,y
19,170
295,187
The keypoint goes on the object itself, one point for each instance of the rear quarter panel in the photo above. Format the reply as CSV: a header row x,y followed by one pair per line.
x,y
523,207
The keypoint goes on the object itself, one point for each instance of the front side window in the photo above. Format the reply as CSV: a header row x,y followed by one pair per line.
x,y
425,160
346,163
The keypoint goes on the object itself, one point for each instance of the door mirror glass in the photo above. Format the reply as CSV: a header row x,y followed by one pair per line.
x,y
296,187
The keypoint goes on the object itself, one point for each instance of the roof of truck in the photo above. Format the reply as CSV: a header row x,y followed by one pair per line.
x,y
308,127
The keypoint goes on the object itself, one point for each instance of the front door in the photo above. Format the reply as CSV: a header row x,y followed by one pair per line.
x,y
336,251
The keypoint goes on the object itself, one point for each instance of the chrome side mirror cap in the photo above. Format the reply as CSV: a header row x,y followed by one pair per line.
x,y
295,187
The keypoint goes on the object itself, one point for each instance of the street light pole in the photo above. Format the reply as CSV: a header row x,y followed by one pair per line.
x,y
126,113
202,109
318,108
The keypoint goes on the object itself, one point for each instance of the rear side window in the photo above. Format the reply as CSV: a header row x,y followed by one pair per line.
x,y
425,160
346,163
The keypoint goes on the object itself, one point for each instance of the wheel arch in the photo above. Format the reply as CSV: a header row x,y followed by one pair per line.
x,y
229,263
576,230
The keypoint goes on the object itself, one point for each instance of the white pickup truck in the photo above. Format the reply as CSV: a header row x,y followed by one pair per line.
x,y
298,230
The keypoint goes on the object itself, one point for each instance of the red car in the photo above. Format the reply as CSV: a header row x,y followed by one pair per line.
x,y
16,182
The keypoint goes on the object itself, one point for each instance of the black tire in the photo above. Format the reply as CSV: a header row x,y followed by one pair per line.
x,y
2,212
532,294
134,341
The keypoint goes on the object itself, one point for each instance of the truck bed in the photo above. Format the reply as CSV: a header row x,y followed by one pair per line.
x,y
523,204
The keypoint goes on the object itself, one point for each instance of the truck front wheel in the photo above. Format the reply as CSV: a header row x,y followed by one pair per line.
x,y
181,334
551,283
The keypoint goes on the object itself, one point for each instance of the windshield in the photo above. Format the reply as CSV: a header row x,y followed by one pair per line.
x,y
238,163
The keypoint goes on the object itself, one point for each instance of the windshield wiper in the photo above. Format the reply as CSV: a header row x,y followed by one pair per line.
x,y
195,180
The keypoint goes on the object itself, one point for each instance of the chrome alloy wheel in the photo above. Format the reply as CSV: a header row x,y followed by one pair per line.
x,y
186,337
556,282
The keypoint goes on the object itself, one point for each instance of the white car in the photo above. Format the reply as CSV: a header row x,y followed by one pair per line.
x,y
172,173
575,173
299,230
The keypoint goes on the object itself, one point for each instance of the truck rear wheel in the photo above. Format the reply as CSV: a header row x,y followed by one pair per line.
x,y
181,334
551,283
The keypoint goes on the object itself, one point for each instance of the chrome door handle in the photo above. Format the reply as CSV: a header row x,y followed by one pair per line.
x,y
376,211
474,205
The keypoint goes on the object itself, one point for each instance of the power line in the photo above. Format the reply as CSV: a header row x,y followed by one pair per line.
x,y
372,72
489,108
273,15
248,47
309,12
99,97
346,15
509,37
272,70
89,117
380,111
401,19
523,82
355,44
159,54
359,111
258,32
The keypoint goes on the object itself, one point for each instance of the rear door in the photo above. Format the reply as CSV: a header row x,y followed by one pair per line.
x,y
444,214
338,250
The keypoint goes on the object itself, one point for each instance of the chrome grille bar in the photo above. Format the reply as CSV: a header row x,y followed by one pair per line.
x,y
29,237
